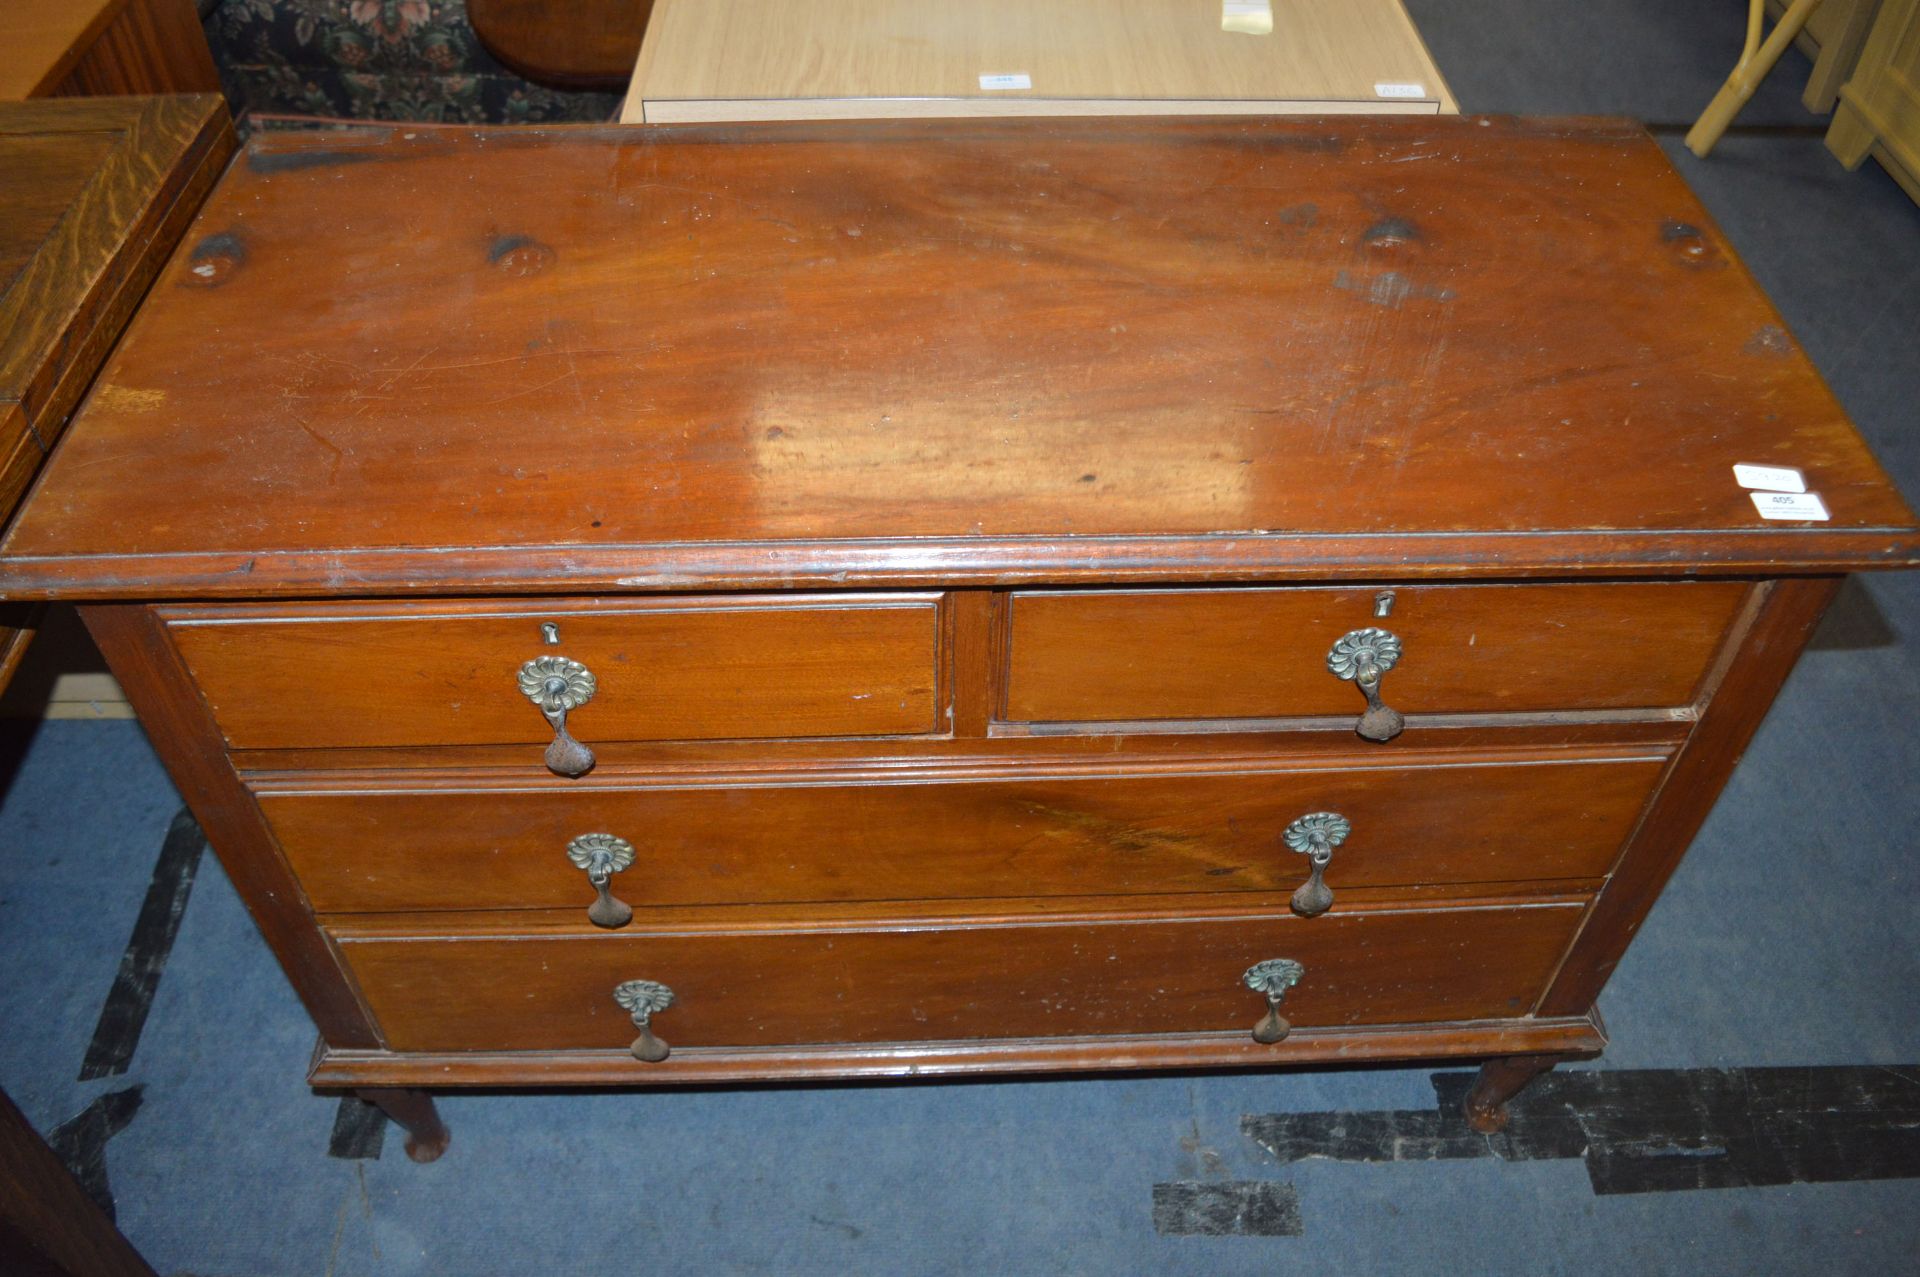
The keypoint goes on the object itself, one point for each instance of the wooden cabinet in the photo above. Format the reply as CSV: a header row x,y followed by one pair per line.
x,y
93,196
1879,111
1099,594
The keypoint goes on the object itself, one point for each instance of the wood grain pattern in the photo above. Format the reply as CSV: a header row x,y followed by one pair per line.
x,y
1051,977
1147,654
665,669
1138,829
881,352
102,189
579,44
815,59
1780,630
1572,1036
150,47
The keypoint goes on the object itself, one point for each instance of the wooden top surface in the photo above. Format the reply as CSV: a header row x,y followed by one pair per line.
x,y
603,358
733,59
44,38
86,188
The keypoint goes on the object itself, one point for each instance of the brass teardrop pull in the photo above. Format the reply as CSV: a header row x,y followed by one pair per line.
x,y
1271,979
602,856
642,999
559,685
1362,657
1314,836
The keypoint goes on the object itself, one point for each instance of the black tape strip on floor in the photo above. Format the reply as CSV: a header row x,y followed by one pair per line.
x,y
1651,1130
359,1130
81,1140
1226,1208
123,1017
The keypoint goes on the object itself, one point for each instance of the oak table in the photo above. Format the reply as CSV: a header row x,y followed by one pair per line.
x,y
93,195
879,599
712,60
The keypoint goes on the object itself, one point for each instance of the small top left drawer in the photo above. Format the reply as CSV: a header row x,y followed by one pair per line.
x,y
320,675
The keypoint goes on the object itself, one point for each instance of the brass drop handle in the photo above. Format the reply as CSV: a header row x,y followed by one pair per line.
x,y
602,856
643,999
559,685
1314,836
1271,979
1362,657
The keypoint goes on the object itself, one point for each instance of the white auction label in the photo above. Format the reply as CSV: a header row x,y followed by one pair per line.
x,y
1770,478
1017,80
1246,17
1803,507
1399,90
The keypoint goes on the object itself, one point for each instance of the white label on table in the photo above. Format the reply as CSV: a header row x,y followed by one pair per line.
x,y
1770,478
1802,507
1016,80
1246,17
1399,90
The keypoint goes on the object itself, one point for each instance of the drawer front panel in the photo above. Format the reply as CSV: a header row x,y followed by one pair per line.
x,y
1135,655
679,669
1207,831
1054,978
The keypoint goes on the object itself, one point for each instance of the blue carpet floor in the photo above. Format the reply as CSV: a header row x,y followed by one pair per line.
x,y
1786,938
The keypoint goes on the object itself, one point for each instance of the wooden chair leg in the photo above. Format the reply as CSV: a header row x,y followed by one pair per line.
x,y
1499,1081
413,1112
1756,59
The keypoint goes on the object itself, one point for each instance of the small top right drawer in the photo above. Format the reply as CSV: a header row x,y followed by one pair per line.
x,y
1263,653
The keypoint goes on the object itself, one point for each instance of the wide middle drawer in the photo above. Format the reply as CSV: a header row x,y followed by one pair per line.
x,y
368,846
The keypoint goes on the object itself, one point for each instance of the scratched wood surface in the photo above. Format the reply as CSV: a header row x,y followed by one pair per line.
x,y
945,352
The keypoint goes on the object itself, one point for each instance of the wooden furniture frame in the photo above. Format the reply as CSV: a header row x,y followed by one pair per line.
x,y
973,564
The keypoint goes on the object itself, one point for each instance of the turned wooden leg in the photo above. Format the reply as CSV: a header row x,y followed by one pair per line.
x,y
1499,1081
413,1112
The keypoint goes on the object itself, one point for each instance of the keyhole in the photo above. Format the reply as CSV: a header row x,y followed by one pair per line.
x,y
1383,603
550,633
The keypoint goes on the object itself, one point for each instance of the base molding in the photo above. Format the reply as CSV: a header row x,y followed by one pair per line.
x,y
1573,1036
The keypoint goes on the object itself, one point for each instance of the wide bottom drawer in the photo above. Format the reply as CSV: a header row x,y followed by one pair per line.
x,y
942,980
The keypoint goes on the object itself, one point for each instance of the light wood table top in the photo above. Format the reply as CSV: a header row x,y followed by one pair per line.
x,y
707,60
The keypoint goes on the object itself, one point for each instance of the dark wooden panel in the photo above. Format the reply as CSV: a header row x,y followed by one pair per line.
x,y
20,455
1774,638
151,46
1057,977
1573,1036
879,351
714,842
49,1226
1263,653
176,720
667,669
575,44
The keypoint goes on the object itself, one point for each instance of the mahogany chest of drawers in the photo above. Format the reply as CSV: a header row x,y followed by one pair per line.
x,y
637,607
